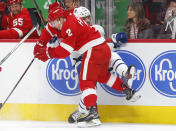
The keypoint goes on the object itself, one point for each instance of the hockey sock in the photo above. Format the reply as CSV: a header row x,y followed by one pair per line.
x,y
90,100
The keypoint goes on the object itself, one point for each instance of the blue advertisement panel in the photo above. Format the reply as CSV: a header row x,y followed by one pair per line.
x,y
62,77
162,73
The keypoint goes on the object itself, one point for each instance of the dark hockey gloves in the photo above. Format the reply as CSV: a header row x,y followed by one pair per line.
x,y
119,39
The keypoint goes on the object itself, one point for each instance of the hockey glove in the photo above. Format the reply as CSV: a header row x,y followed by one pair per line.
x,y
42,52
79,59
119,39
54,42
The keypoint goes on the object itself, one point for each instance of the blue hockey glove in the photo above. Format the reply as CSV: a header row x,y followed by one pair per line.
x,y
54,42
119,39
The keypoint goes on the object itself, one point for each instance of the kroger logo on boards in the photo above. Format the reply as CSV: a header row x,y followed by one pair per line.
x,y
130,58
162,73
62,77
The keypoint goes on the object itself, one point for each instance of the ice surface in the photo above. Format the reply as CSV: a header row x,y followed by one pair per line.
x,y
53,126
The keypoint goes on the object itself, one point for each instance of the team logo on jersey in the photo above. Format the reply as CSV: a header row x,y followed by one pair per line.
x,y
62,77
130,58
162,73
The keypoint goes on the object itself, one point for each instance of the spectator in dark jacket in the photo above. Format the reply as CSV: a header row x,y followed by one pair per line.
x,y
137,26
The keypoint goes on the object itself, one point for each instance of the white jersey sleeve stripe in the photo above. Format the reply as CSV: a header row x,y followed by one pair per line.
x,y
91,44
66,47
49,30
20,32
88,92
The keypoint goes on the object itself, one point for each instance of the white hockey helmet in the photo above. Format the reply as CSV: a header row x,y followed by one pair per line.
x,y
100,29
81,12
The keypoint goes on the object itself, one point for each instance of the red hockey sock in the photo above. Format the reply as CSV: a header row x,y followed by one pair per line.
x,y
118,84
90,100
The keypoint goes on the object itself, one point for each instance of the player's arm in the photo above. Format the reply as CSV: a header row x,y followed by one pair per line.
x,y
9,34
65,48
67,45
46,35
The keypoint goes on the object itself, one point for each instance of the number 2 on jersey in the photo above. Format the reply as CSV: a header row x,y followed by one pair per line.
x,y
68,31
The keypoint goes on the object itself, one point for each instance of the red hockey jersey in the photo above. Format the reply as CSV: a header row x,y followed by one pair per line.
x,y
77,36
18,25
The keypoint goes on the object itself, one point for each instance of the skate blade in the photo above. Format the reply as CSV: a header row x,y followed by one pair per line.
x,y
133,75
135,98
92,123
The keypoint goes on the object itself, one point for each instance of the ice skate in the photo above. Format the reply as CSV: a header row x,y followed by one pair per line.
x,y
75,116
129,76
91,119
131,94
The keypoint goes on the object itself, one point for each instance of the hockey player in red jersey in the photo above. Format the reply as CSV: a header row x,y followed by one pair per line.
x,y
117,65
79,36
19,22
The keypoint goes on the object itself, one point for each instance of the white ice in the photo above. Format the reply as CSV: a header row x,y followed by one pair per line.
x,y
54,126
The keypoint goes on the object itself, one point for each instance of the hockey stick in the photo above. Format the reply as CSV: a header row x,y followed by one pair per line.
x,y
38,11
62,3
17,46
2,104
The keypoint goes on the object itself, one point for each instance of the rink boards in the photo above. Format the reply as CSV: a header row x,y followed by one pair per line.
x,y
50,91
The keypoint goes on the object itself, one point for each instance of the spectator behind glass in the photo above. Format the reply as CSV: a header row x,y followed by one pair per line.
x,y
171,9
170,14
137,26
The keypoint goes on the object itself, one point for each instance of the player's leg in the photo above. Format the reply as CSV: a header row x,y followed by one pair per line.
x,y
81,111
88,109
90,71
127,84
126,73
88,98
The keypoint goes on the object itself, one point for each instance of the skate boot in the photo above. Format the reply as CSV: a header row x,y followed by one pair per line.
x,y
129,76
75,116
91,119
131,94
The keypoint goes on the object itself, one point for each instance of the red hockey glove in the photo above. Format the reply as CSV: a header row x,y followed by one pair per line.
x,y
42,52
